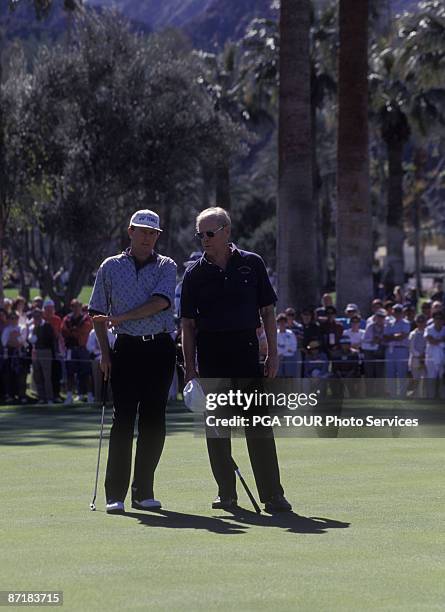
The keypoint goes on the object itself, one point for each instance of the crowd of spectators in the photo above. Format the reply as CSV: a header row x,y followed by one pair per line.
x,y
48,357
399,342
47,353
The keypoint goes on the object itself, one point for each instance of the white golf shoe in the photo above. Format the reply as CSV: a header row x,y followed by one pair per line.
x,y
115,507
146,504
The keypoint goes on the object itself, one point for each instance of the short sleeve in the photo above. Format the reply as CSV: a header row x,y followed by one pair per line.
x,y
266,293
188,306
166,284
100,296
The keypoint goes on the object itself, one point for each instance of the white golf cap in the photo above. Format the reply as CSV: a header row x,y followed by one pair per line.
x,y
351,307
194,396
145,218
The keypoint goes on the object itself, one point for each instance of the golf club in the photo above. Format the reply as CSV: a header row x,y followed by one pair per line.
x,y
104,398
232,460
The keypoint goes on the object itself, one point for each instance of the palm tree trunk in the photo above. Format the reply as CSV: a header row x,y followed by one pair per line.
x,y
395,236
354,221
296,243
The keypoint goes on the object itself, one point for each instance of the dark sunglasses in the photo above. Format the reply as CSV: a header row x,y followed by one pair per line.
x,y
209,234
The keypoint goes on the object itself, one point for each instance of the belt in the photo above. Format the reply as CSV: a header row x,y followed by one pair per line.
x,y
144,338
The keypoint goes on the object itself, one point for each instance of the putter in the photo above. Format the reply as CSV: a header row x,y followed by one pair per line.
x,y
246,488
104,398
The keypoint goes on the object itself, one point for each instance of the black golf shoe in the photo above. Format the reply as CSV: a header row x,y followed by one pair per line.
x,y
146,504
224,503
277,503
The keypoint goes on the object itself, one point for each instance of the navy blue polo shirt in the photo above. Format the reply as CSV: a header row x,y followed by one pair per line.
x,y
230,299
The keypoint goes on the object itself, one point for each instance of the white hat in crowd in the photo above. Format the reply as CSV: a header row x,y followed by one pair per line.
x,y
351,307
145,218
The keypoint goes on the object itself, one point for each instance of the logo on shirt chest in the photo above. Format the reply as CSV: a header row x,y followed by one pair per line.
x,y
244,270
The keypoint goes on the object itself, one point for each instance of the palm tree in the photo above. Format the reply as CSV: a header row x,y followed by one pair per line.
x,y
407,96
296,244
389,95
354,221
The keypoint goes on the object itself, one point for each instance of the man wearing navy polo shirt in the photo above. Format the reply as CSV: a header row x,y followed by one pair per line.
x,y
223,294
134,292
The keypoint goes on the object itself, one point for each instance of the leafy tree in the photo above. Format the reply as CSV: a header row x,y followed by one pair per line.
x,y
113,122
41,8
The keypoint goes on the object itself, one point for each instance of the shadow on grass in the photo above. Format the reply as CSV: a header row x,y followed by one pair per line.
x,y
68,425
237,521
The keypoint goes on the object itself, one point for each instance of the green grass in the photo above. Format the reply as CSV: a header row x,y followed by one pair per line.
x,y
83,296
369,535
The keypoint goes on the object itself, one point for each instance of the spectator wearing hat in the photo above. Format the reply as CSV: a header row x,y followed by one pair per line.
x,y
409,314
416,362
345,366
36,302
316,364
76,328
320,315
376,304
355,334
42,338
287,349
7,305
315,369
396,337
374,352
435,355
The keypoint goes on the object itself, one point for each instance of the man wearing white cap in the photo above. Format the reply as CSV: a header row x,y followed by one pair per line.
x,y
134,292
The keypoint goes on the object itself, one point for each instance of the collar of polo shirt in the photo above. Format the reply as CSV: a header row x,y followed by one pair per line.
x,y
233,251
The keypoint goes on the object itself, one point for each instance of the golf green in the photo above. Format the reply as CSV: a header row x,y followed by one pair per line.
x,y
366,534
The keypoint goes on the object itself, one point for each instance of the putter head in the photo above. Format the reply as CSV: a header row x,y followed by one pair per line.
x,y
92,507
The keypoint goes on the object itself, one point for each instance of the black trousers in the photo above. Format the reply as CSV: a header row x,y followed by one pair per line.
x,y
235,355
141,375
